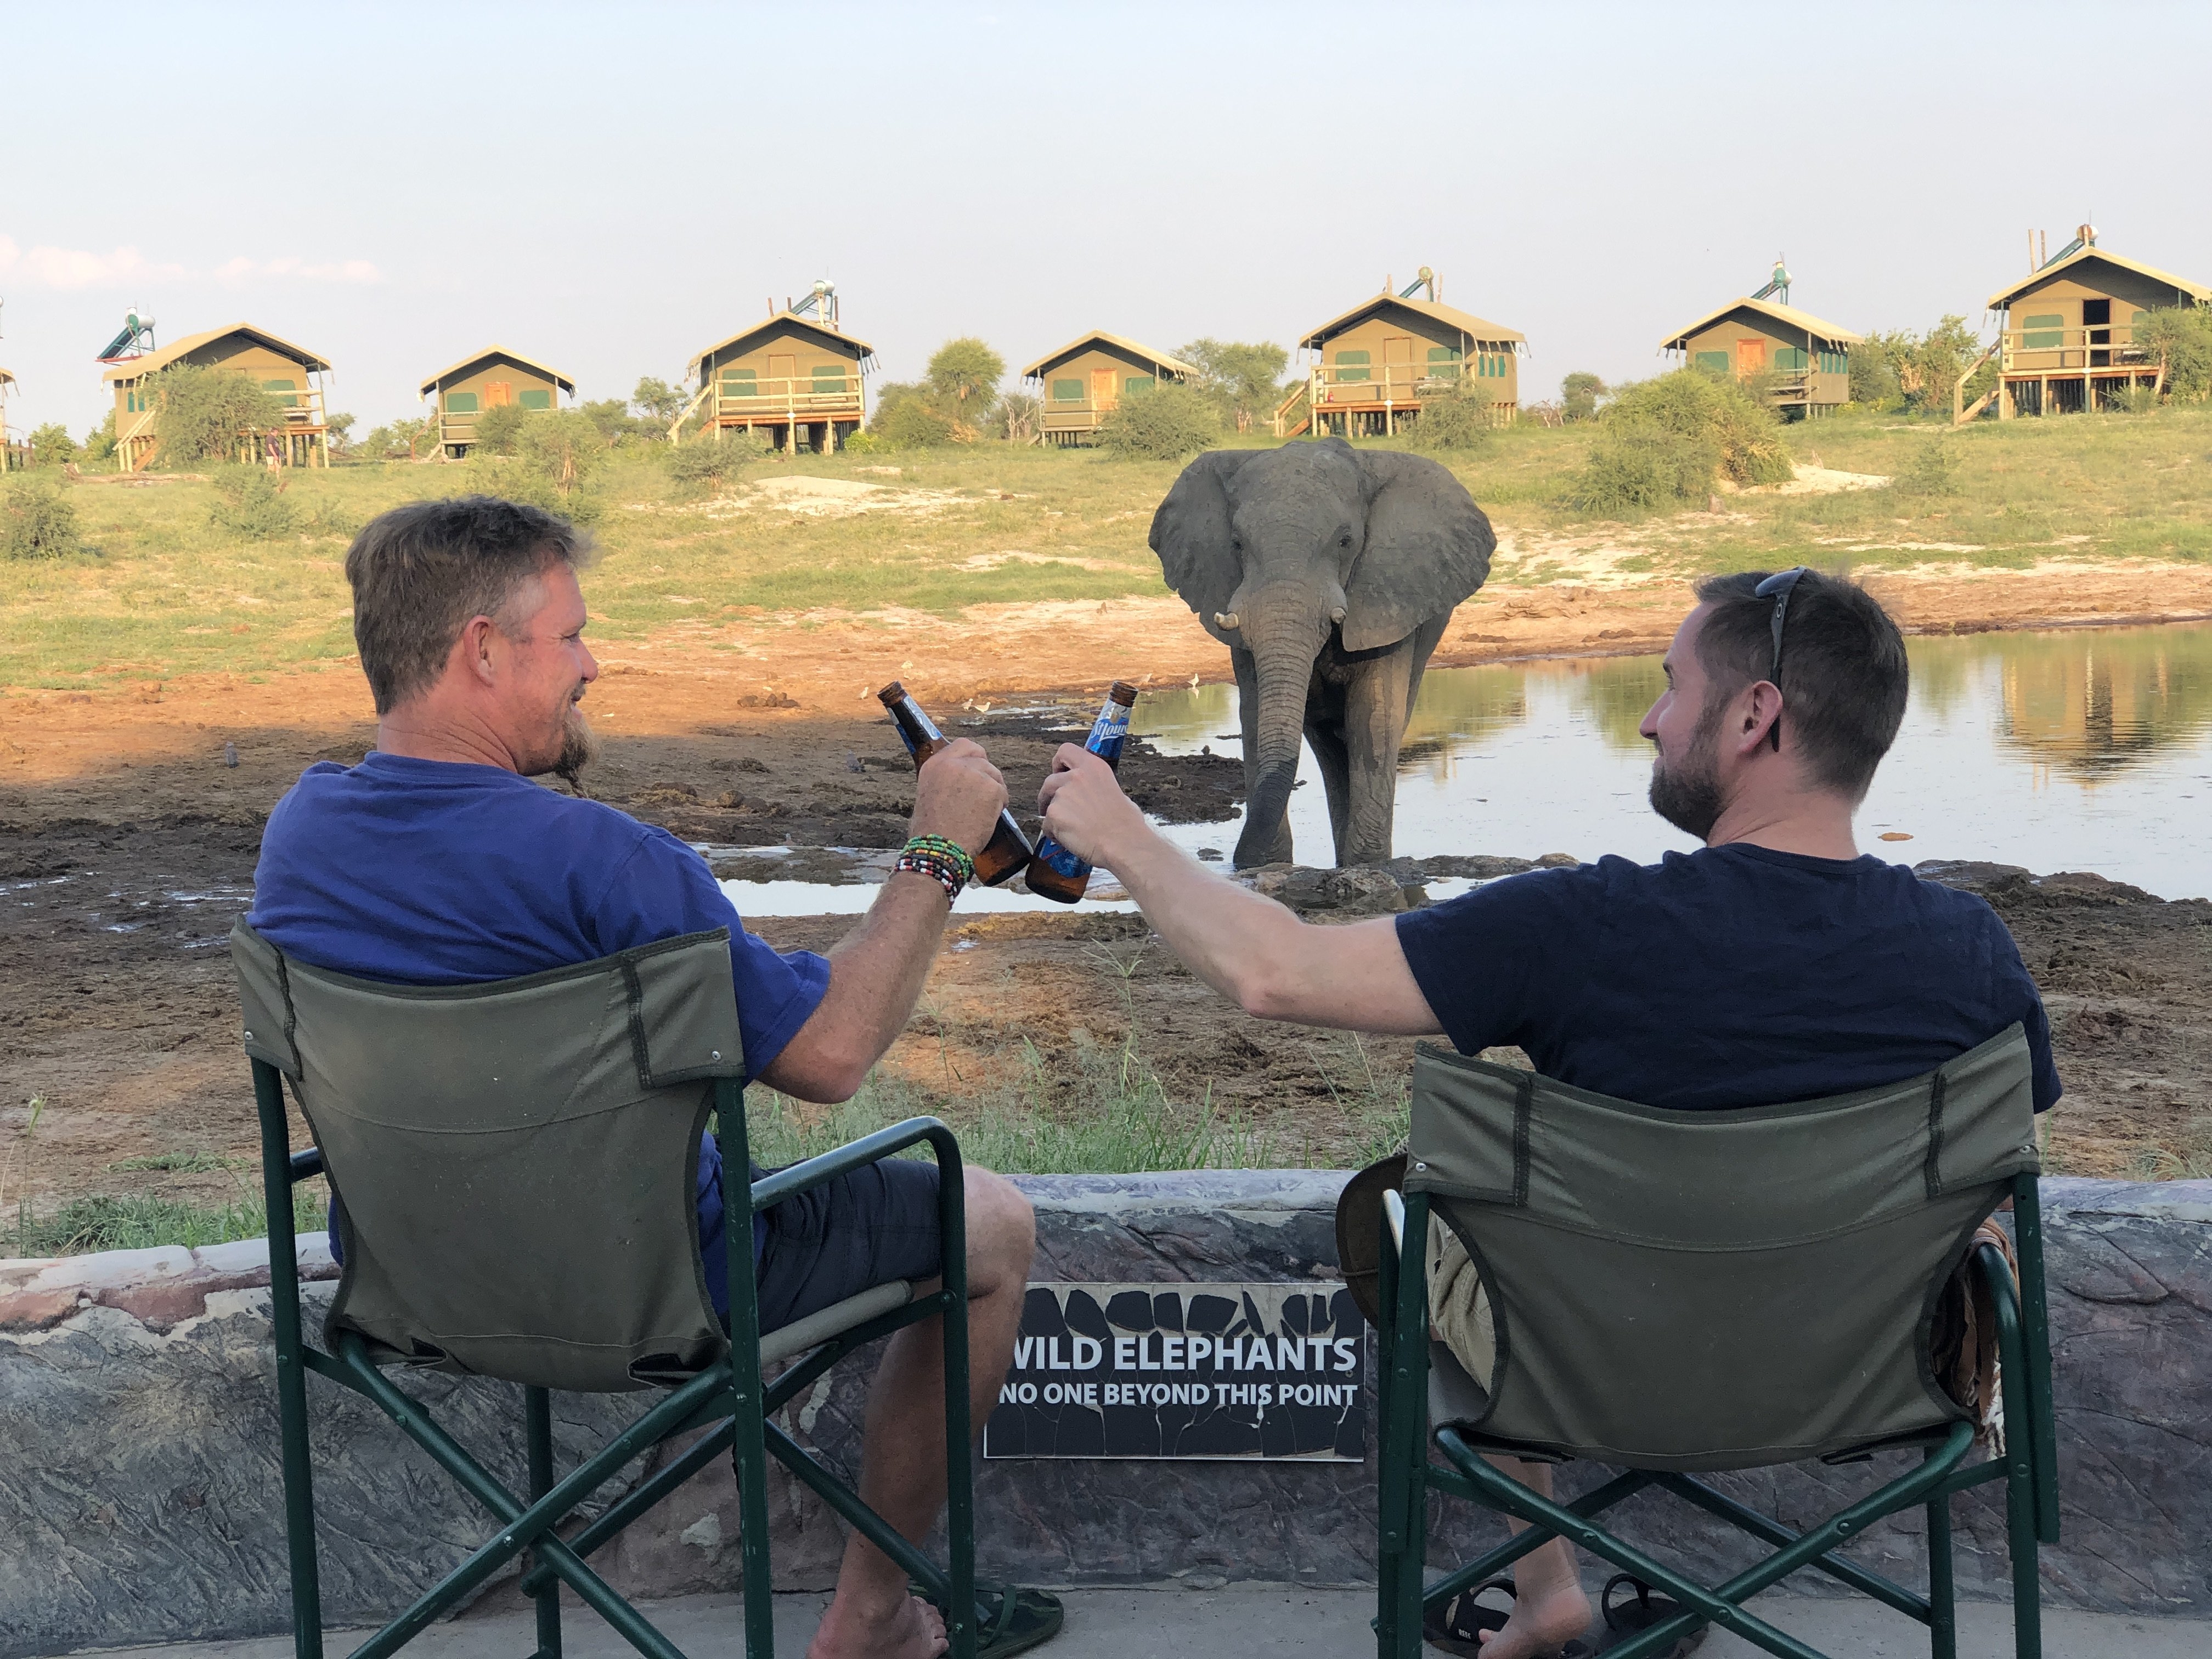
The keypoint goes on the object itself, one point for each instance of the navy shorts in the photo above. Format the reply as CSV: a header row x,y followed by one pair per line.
x,y
866,1227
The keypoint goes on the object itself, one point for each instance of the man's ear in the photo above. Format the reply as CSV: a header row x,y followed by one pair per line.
x,y
474,647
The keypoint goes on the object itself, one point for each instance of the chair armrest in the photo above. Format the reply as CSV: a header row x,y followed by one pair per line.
x,y
1393,1211
308,1165
869,1149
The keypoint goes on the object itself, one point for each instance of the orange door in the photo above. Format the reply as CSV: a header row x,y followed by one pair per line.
x,y
781,372
1398,361
1750,356
1101,388
498,393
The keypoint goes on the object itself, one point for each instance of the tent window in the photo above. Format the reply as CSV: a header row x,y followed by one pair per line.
x,y
2045,333
829,379
460,403
1791,357
1835,363
534,398
287,393
1135,384
740,382
1067,392
1713,363
1352,366
1443,354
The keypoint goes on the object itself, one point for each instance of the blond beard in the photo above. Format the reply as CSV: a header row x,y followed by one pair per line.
x,y
580,747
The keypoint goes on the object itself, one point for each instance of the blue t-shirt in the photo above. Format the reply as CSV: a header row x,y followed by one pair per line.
x,y
1734,975
433,872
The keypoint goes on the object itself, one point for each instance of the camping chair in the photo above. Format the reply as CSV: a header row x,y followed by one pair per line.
x,y
1677,1292
516,1166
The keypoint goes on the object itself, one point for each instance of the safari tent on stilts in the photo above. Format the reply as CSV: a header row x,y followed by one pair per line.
x,y
796,376
1803,361
495,377
1086,379
1374,366
290,375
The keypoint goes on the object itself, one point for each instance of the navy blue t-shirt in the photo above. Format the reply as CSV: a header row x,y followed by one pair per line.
x,y
1734,975
433,872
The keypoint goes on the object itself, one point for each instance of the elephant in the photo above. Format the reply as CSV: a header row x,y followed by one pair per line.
x,y
1330,573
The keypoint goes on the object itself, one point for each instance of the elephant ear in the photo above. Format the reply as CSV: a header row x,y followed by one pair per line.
x,y
1190,532
1428,547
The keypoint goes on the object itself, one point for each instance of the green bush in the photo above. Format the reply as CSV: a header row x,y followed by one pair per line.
x,y
200,414
1461,422
2183,337
514,478
37,521
1876,368
100,442
497,429
249,503
1579,396
564,446
1164,425
908,417
1661,441
709,465
1934,471
52,446
1240,376
1641,468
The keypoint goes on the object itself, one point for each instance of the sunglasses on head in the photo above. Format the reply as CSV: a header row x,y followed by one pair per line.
x,y
1778,588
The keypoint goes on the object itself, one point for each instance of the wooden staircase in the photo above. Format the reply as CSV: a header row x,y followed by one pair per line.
x,y
1960,414
134,448
676,429
1294,415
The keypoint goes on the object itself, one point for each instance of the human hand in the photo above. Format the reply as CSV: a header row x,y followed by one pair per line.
x,y
1085,810
958,794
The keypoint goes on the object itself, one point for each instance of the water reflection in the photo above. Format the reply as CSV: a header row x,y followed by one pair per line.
x,y
2085,749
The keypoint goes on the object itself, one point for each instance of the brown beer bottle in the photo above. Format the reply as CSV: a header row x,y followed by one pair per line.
x,y
1056,873
1008,851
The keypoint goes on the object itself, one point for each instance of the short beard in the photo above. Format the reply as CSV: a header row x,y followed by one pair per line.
x,y
1688,794
580,747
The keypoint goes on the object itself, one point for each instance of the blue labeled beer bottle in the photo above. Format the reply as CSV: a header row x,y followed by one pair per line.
x,y
1008,849
1056,873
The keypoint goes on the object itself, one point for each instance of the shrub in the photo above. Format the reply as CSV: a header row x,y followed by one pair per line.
x,y
1662,441
1934,471
2183,337
1240,377
1019,417
1460,422
1938,360
612,417
100,442
659,402
1875,380
1637,467
907,417
200,413
564,446
52,446
494,431
514,478
709,465
249,503
1164,425
37,521
1579,396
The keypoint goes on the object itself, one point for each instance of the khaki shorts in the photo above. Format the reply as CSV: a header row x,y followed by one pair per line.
x,y
1460,1314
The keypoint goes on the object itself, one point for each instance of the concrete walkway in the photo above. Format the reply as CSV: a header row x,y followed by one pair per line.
x,y
1250,1621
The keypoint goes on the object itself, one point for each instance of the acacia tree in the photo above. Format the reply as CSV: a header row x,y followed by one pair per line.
x,y
1578,395
964,378
658,401
1240,377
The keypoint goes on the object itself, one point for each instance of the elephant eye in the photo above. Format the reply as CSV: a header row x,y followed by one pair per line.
x,y
1344,540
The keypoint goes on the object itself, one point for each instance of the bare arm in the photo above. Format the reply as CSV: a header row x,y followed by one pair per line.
x,y
1249,948
877,970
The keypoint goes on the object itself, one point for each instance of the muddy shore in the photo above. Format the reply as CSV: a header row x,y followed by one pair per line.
x,y
123,879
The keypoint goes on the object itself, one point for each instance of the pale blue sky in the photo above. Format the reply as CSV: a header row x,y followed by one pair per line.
x,y
609,189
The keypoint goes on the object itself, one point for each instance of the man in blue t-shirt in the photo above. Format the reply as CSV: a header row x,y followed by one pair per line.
x,y
437,861
1776,964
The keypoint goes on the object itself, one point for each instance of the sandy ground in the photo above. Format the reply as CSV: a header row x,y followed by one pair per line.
x,y
127,845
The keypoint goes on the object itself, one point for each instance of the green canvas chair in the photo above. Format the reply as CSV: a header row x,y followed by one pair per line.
x,y
516,1166
1683,1292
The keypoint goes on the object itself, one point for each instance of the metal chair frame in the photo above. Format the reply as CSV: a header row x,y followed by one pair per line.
x,y
2028,1469
730,1395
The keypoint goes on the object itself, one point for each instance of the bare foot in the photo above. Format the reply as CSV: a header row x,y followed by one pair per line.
x,y
909,1629
1539,1625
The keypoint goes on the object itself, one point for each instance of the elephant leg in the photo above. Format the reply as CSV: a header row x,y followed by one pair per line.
x,y
1325,735
1377,704
1258,844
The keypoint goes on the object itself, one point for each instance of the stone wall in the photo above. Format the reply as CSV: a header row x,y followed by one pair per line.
x,y
140,1499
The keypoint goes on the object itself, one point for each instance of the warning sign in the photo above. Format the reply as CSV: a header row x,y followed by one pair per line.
x,y
1190,1371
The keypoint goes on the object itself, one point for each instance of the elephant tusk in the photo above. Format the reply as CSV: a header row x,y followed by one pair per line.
x,y
1225,620
1336,615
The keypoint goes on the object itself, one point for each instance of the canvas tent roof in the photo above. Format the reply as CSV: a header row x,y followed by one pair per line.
x,y
490,351
1122,342
131,367
830,335
1818,327
1474,327
5,377
2003,299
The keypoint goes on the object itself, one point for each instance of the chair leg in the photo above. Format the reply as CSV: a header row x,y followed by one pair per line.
x,y
2026,1585
1942,1610
291,1361
537,1410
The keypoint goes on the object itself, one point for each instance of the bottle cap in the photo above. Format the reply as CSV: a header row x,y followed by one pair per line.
x,y
1123,693
890,694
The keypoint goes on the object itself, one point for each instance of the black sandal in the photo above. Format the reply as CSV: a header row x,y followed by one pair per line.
x,y
1460,1624
1649,1608
1008,1620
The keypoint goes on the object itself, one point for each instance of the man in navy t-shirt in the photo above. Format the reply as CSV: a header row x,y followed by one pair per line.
x,y
1776,964
437,861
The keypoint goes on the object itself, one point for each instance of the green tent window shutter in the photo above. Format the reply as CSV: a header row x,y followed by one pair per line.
x,y
828,380
1134,384
1443,354
460,403
1835,363
534,398
740,382
1352,366
1713,363
1067,392
1790,357
287,393
2045,333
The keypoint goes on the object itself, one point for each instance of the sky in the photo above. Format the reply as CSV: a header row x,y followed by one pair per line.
x,y
609,189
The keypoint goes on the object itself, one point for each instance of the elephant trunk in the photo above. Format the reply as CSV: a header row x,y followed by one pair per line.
x,y
1283,657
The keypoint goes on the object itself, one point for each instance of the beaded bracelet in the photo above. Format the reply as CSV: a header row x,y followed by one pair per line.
x,y
925,856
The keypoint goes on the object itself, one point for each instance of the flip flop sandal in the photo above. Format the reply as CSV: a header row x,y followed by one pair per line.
x,y
1008,1620
1458,1626
1634,1618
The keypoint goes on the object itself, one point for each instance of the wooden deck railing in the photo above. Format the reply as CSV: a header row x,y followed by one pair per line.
x,y
1383,383
2056,350
800,396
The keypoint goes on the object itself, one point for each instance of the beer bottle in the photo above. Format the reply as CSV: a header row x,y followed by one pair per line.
x,y
1056,873
1008,849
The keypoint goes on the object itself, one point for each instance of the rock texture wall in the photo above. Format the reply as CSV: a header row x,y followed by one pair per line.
x,y
140,1499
